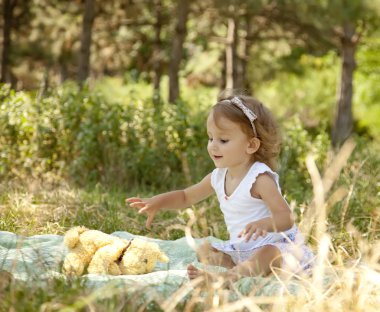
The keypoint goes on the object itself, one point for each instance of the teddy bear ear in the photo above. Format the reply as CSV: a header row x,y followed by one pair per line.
x,y
163,258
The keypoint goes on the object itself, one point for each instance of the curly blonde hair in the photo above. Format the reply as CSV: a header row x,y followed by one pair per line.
x,y
266,126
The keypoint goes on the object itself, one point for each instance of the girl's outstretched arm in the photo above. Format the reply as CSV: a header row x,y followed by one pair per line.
x,y
172,200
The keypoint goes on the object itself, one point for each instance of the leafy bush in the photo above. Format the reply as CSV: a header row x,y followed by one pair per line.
x,y
17,129
367,91
297,144
87,139
310,94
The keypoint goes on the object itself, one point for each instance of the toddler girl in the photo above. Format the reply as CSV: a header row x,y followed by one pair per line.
x,y
244,144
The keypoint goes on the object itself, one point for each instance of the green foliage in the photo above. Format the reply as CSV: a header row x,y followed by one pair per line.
x,y
16,128
311,93
297,144
367,92
87,138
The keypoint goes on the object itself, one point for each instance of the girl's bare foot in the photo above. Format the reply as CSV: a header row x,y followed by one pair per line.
x,y
193,272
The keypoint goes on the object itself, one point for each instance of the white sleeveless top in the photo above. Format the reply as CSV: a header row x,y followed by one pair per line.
x,y
240,208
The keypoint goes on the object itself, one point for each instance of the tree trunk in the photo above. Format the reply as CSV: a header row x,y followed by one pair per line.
x,y
246,84
230,54
84,56
157,62
343,124
177,49
45,83
63,61
8,7
223,73
231,58
63,71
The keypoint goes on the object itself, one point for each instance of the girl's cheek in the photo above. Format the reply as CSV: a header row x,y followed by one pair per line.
x,y
211,145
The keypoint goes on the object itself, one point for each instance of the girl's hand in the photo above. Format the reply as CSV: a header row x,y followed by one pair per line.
x,y
253,230
145,205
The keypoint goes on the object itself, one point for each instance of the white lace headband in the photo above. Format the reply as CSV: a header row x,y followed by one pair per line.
x,y
247,112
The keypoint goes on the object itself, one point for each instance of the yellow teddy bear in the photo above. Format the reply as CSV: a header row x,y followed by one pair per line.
x,y
102,253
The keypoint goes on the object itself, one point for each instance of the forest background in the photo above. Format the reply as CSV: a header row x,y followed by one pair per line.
x,y
101,100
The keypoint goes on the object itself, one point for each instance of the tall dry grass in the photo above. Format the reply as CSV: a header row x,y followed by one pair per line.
x,y
341,279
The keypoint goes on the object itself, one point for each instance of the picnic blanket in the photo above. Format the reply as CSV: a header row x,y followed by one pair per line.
x,y
40,257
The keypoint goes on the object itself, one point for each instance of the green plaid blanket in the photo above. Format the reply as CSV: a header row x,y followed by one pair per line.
x,y
40,257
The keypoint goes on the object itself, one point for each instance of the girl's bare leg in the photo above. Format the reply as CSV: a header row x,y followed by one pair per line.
x,y
260,264
209,255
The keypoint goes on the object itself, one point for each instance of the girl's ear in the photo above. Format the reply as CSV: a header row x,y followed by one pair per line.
x,y
254,145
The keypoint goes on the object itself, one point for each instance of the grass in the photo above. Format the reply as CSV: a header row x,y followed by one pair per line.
x,y
351,257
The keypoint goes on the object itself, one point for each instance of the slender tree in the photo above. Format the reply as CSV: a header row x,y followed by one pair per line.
x,y
85,46
157,50
255,23
346,27
243,30
243,81
8,7
231,46
343,123
177,49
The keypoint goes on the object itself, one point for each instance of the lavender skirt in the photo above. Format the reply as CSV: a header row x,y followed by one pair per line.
x,y
296,256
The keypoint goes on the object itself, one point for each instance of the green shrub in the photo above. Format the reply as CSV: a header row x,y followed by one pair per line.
x,y
17,130
87,139
297,144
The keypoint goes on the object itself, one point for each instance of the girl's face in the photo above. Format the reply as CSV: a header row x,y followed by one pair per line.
x,y
228,146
